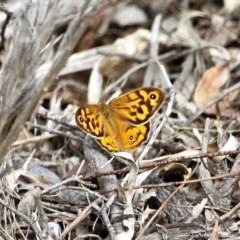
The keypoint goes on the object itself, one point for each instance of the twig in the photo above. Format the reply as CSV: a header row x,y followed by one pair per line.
x,y
153,52
230,213
24,217
172,159
164,57
4,25
187,68
70,179
10,124
220,176
105,217
203,171
152,163
80,136
212,102
158,212
35,139
79,218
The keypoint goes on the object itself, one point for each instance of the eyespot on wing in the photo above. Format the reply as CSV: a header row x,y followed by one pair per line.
x,y
90,121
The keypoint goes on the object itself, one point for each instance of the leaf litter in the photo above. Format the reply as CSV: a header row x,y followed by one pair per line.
x,y
57,183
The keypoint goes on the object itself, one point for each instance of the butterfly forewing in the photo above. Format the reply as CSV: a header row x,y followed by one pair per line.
x,y
90,119
138,106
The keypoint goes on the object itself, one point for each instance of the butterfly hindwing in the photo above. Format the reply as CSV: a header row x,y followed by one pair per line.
x,y
131,137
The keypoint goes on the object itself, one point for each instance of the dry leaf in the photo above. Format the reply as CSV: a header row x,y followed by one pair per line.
x,y
231,145
95,85
186,33
231,6
127,15
13,176
210,86
28,202
215,232
173,170
197,210
133,45
147,213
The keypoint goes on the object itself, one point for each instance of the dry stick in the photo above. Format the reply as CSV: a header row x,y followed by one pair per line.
x,y
151,186
187,68
105,217
137,59
80,136
220,176
98,159
55,118
166,79
5,234
24,217
35,139
4,25
76,29
123,79
75,177
107,20
212,102
128,185
187,158
202,170
18,226
230,213
158,212
153,52
167,161
79,218
42,216
89,236
166,56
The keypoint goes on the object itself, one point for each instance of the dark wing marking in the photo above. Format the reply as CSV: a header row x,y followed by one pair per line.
x,y
89,119
138,106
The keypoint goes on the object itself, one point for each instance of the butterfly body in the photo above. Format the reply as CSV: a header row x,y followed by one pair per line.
x,y
123,123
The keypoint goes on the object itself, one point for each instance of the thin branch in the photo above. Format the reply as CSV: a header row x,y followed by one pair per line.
x,y
24,217
4,26
212,102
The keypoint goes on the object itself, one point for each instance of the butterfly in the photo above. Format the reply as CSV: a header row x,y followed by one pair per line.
x,y
123,124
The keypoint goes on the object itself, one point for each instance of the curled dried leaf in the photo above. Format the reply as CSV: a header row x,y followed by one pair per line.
x,y
211,86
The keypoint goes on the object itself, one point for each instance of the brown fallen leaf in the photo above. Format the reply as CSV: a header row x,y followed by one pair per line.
x,y
210,86
215,232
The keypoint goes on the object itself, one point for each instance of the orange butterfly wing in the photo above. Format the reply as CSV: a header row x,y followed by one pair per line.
x,y
89,119
125,137
138,106
123,124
